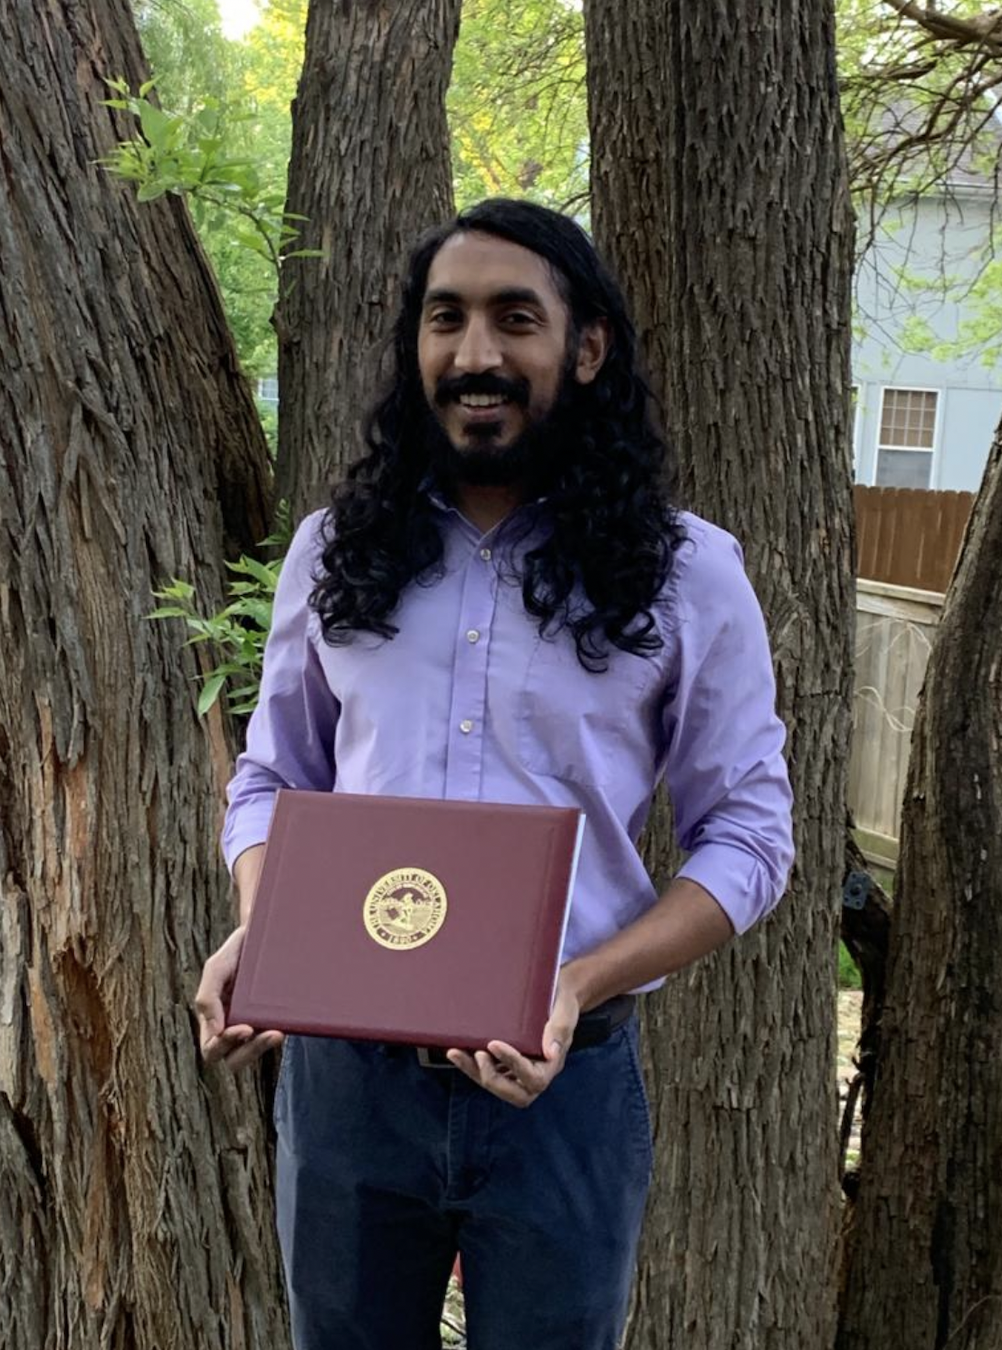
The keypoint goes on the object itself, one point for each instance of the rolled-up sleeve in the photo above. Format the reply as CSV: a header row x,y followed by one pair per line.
x,y
290,737
724,765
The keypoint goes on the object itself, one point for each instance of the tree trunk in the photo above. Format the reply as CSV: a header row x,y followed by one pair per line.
x,y
135,1205
370,169
719,194
866,927
925,1258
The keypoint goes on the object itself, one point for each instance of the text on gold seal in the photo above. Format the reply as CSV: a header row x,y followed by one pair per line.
x,y
405,908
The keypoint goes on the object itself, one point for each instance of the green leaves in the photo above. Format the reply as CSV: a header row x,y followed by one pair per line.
x,y
517,102
160,130
239,630
198,69
186,153
210,691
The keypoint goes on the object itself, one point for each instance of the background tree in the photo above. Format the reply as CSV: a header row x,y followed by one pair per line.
x,y
920,88
720,194
924,1264
369,169
185,49
249,86
518,108
135,1198
922,98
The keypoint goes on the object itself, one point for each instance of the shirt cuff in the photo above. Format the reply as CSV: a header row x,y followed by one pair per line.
x,y
249,829
737,881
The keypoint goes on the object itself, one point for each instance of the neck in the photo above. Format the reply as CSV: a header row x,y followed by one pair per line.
x,y
485,507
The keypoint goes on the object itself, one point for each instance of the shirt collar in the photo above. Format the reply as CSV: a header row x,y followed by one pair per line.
x,y
431,489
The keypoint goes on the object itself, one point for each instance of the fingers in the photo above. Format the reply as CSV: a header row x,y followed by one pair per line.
x,y
481,1068
507,1074
559,1030
218,1046
532,1075
252,1049
238,1046
557,1036
235,1046
217,979
209,1009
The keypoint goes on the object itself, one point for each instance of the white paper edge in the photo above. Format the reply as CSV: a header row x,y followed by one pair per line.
x,y
582,820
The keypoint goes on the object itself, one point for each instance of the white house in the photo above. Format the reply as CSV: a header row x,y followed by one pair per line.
x,y
922,422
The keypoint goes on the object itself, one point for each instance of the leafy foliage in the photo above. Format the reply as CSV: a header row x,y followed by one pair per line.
x,y
239,631
921,97
517,103
915,97
184,44
980,330
186,153
255,78
919,87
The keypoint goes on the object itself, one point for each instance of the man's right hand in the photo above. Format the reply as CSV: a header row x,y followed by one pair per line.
x,y
234,1046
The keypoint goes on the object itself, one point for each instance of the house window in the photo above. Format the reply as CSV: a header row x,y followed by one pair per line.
x,y
267,389
907,438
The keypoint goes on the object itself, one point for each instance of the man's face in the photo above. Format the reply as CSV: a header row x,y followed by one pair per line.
x,y
492,351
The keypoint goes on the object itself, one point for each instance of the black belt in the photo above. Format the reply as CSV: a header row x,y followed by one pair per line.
x,y
594,1028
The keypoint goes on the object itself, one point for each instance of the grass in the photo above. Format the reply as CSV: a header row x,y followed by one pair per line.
x,y
848,972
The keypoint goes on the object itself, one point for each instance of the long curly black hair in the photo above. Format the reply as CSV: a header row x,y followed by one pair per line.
x,y
613,531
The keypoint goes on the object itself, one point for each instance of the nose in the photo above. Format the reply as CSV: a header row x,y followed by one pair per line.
x,y
478,349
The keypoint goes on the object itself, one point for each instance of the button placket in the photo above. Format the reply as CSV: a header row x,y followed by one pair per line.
x,y
469,689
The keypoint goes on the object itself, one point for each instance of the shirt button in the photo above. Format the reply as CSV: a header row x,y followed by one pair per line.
x,y
485,553
473,635
466,726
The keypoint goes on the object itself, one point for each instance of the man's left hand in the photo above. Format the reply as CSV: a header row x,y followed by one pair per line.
x,y
518,1078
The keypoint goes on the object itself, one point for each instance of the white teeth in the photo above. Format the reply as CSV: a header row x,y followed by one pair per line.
x,y
482,400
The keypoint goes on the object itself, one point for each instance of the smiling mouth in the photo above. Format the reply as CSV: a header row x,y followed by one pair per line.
x,y
482,401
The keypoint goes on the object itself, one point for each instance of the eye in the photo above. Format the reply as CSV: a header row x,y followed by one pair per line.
x,y
443,317
519,318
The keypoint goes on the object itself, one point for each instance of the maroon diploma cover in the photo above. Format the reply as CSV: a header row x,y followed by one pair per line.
x,y
435,923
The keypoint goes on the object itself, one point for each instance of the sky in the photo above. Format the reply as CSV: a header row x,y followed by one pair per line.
x,y
237,16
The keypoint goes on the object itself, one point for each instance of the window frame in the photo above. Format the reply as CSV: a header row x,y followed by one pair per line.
x,y
931,450
855,399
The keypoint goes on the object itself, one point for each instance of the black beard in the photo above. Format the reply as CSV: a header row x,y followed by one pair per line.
x,y
532,460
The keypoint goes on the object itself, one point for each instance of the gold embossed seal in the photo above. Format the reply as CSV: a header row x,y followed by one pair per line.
x,y
405,908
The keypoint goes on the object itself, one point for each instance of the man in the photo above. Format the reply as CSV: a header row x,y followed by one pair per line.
x,y
501,605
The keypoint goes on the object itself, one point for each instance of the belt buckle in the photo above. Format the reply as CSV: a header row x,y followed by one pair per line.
x,y
424,1057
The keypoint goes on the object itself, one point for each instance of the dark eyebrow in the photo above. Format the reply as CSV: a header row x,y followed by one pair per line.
x,y
518,295
441,297
511,295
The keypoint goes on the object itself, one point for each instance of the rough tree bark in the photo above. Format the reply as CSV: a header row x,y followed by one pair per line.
x,y
925,1256
135,1209
719,193
865,932
370,169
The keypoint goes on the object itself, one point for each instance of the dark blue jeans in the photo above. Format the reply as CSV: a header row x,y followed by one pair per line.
x,y
387,1169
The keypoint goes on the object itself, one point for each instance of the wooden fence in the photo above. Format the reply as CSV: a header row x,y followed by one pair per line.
x,y
895,629
908,537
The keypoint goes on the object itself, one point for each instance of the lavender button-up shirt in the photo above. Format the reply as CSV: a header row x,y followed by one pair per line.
x,y
468,702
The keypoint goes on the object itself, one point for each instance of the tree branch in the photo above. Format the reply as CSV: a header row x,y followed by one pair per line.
x,y
985,30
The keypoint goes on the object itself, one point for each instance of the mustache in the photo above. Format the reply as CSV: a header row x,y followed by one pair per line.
x,y
450,390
